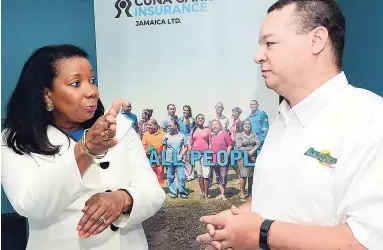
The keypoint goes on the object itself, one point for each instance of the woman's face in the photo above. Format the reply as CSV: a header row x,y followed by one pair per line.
x,y
247,126
144,115
74,94
186,112
200,120
215,126
235,114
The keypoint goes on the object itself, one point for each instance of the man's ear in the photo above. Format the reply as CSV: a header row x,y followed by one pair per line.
x,y
319,39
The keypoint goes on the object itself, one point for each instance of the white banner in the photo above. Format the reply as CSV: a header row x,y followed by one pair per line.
x,y
156,52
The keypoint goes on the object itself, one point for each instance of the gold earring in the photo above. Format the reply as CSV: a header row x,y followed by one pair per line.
x,y
49,106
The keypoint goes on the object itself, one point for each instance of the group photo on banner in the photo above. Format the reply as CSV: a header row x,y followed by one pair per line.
x,y
201,110
197,147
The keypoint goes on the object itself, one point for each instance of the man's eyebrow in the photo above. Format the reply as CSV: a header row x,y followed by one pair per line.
x,y
264,37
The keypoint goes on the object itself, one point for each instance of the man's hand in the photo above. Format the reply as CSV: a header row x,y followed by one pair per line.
x,y
211,229
232,228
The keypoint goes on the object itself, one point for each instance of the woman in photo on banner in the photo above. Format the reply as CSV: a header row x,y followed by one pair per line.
x,y
199,141
79,174
187,124
146,115
235,126
220,141
152,142
175,149
247,143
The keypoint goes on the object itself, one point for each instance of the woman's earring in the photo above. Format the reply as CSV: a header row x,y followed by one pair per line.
x,y
49,106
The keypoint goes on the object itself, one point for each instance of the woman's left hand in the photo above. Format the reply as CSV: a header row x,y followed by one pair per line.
x,y
101,210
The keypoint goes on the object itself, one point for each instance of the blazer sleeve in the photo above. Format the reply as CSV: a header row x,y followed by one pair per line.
x,y
39,187
148,196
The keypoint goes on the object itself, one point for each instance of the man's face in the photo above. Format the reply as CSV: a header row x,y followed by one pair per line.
x,y
152,126
283,53
171,110
219,108
127,107
172,127
253,106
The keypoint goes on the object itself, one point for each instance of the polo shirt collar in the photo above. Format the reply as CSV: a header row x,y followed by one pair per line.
x,y
306,109
255,114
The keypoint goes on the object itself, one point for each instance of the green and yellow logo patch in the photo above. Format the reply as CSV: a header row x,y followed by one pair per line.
x,y
324,157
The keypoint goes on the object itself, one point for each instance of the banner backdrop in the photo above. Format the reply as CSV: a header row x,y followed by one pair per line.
x,y
157,52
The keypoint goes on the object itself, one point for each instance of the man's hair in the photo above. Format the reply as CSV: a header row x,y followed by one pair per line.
x,y
314,13
219,104
167,107
175,122
154,121
124,103
255,102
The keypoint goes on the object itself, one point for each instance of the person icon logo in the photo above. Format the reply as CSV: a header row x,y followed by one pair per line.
x,y
123,5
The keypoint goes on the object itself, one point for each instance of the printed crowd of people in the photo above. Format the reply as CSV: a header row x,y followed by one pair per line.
x,y
178,137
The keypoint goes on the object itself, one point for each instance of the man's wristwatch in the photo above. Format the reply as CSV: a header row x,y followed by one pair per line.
x,y
264,233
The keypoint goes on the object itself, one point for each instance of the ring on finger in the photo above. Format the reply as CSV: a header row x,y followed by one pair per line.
x,y
105,136
102,220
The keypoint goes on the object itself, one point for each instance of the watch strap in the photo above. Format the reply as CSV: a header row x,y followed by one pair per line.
x,y
264,233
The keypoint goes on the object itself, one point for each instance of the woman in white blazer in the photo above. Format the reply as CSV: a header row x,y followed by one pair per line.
x,y
80,175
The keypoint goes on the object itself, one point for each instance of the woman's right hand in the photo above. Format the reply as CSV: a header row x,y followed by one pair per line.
x,y
100,136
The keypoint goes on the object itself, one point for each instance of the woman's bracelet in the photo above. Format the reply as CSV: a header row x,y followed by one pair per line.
x,y
87,151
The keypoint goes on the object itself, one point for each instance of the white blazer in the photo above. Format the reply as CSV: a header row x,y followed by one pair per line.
x,y
51,193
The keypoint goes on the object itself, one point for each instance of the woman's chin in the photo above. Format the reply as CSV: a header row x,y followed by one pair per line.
x,y
87,116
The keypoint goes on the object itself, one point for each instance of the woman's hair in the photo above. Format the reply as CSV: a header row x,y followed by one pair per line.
x,y
189,109
148,112
27,120
219,124
238,110
200,115
243,124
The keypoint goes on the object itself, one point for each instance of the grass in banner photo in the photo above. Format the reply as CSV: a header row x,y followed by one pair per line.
x,y
176,226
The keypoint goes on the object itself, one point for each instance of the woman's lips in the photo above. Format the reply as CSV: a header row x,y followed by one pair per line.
x,y
91,108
